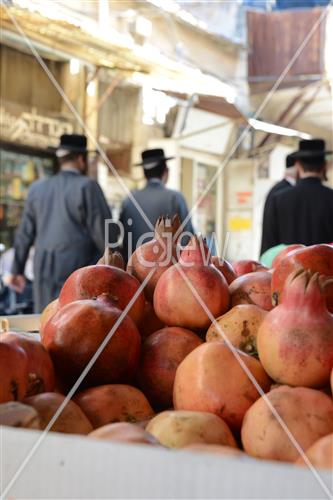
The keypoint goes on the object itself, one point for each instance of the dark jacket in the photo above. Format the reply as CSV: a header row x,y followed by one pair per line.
x,y
155,200
64,219
303,214
279,186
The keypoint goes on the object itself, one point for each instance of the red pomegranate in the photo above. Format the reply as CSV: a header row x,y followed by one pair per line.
x,y
158,254
316,258
286,251
225,267
211,379
114,403
188,289
91,281
76,331
41,377
295,340
162,352
13,372
252,288
150,323
248,266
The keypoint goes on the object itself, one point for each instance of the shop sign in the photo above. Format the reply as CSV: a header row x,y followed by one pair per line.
x,y
29,127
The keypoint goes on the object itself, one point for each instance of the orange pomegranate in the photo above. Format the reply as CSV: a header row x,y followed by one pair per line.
x,y
70,421
240,326
307,413
157,254
320,453
180,289
114,403
162,352
150,323
248,266
47,313
252,288
124,432
211,379
176,429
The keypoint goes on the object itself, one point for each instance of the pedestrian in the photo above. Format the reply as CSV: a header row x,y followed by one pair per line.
x,y
64,218
155,200
288,181
303,214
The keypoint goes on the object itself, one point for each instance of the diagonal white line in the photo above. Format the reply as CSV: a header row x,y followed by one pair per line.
x,y
77,115
257,113
75,387
256,384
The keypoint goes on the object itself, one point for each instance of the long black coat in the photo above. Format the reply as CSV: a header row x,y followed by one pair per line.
x,y
279,186
64,219
303,214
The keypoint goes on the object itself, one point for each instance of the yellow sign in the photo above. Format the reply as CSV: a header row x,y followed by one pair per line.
x,y
239,224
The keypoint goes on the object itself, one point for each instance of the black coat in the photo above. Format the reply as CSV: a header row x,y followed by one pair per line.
x,y
284,184
303,214
64,219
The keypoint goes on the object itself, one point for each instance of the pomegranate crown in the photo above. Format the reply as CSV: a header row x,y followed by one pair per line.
x,y
166,224
196,252
303,286
112,258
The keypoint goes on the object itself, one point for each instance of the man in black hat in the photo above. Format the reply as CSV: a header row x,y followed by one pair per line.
x,y
303,214
64,218
288,181
155,199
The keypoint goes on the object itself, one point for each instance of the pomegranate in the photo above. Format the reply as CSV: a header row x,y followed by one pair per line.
x,y
71,420
114,403
332,381
91,281
316,258
320,453
162,352
252,288
15,414
76,331
111,258
47,313
150,322
225,268
13,372
295,340
176,429
124,432
158,254
41,377
248,266
179,288
211,379
286,251
307,413
240,326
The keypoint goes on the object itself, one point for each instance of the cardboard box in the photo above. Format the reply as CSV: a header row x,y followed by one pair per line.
x,y
78,467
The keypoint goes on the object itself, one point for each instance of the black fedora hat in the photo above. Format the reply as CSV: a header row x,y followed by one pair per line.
x,y
152,158
310,148
71,143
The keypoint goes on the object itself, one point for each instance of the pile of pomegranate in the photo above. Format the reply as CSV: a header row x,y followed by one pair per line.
x,y
209,356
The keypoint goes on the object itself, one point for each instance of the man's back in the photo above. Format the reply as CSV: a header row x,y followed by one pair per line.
x,y
303,214
155,200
